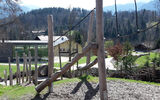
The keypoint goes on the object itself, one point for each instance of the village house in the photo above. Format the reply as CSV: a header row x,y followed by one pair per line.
x,y
63,43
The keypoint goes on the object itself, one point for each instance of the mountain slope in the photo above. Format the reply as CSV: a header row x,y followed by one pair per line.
x,y
131,7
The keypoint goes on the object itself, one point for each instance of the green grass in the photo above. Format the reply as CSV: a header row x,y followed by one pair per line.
x,y
142,60
14,69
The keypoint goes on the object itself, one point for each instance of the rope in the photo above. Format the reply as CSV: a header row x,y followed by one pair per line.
x,y
141,31
75,25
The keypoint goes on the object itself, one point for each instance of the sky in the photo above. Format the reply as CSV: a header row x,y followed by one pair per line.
x,y
86,4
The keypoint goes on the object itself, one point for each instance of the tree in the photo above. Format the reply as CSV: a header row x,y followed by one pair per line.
x,y
116,52
9,10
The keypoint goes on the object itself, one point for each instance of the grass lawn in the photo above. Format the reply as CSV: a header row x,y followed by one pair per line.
x,y
16,92
142,60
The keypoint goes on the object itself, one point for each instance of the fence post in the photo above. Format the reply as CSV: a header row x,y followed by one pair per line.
x,y
10,72
5,76
26,68
101,57
50,50
36,60
18,74
17,69
60,63
29,66
24,64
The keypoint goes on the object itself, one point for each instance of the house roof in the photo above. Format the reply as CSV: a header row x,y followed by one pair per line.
x,y
57,42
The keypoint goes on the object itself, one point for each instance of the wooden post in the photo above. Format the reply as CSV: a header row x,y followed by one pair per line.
x,y
36,60
17,68
70,51
101,57
10,72
29,66
90,35
77,53
26,68
60,63
5,76
18,74
50,50
24,64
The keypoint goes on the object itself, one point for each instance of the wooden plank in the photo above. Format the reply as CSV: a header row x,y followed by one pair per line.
x,y
30,66
50,50
10,72
54,76
36,60
101,57
5,77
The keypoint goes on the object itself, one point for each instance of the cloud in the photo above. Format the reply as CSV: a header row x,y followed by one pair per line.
x,y
87,4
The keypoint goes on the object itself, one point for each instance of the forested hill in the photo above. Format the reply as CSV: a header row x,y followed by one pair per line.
x,y
63,19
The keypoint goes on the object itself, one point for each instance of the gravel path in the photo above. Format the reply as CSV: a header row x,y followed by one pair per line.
x,y
117,90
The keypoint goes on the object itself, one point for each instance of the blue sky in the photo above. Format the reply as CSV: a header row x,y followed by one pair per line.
x,y
86,4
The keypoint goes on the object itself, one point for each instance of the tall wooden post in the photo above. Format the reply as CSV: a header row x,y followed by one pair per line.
x,y
10,72
101,57
50,50
36,60
29,66
90,36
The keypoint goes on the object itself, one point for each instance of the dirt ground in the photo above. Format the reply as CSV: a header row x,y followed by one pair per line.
x,y
117,90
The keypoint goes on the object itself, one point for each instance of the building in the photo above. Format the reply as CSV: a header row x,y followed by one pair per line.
x,y
63,43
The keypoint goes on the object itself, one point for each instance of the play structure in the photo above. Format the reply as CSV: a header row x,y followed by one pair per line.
x,y
97,48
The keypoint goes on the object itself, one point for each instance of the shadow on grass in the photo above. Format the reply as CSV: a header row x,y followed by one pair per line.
x,y
39,97
91,91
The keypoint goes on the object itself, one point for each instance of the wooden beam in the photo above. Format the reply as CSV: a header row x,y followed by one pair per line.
x,y
89,65
101,56
54,76
50,50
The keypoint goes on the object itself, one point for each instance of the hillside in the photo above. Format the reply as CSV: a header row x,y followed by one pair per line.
x,y
64,19
131,7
